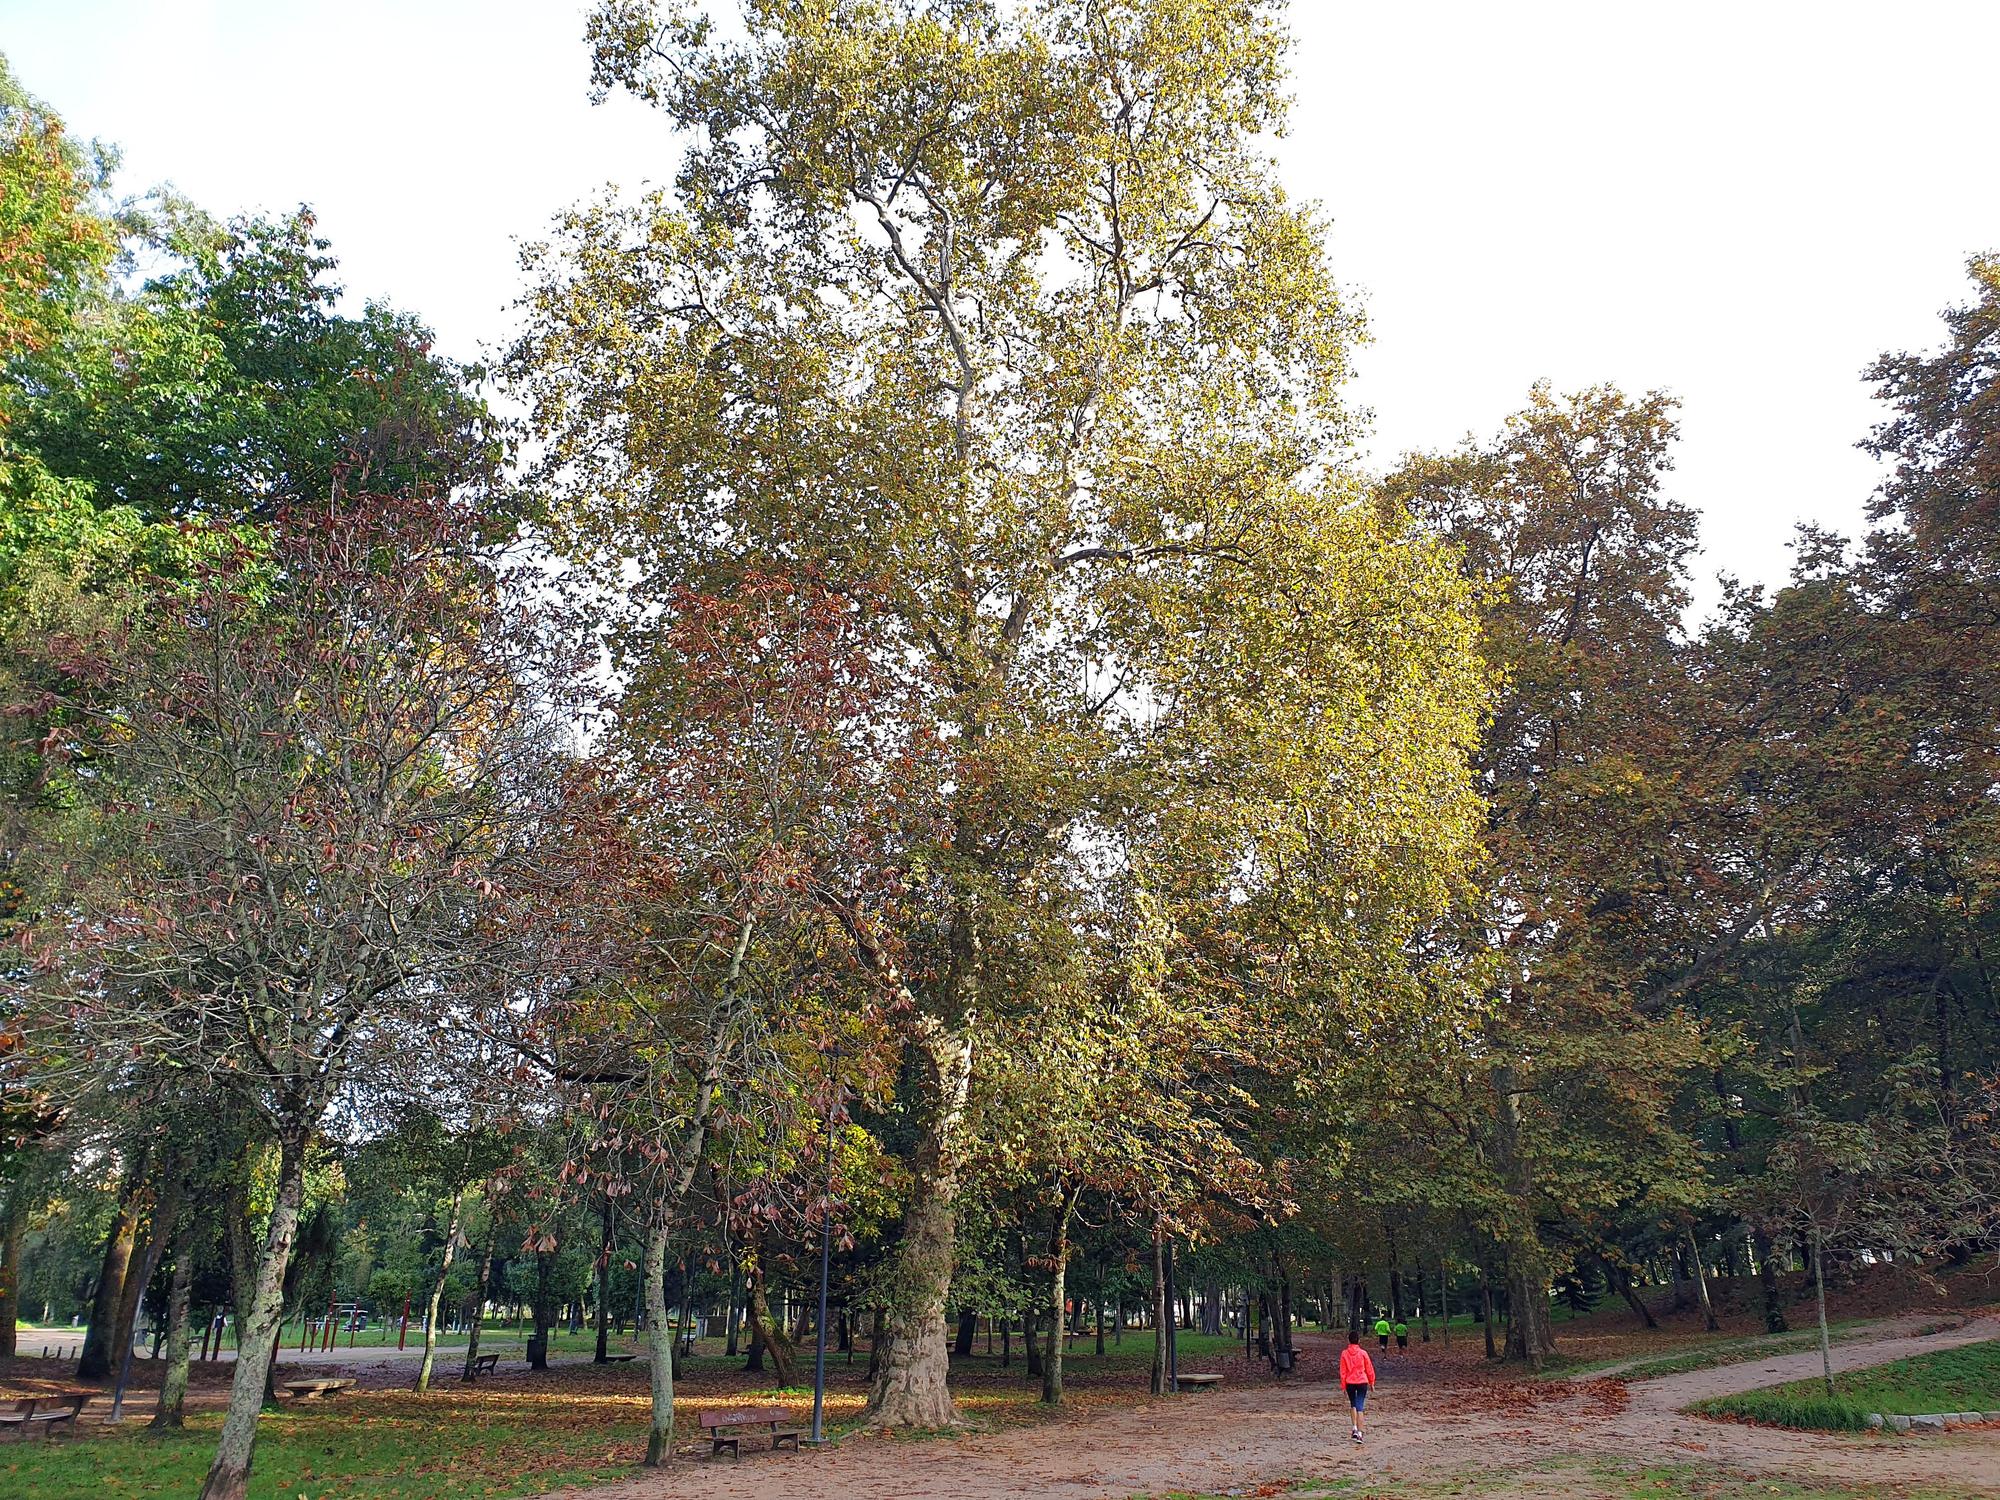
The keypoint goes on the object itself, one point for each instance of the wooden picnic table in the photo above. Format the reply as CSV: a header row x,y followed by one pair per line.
x,y
315,1390
725,1427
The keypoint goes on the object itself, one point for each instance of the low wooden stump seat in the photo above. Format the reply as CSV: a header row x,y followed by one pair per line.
x,y
726,1427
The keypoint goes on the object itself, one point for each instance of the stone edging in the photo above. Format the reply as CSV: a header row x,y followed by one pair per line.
x,y
1932,1421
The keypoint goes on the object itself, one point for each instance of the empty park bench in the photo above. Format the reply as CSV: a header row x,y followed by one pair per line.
x,y
619,1359
1198,1382
44,1412
725,1427
316,1390
484,1364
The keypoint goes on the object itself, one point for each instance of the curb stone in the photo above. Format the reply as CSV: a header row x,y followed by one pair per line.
x,y
1936,1421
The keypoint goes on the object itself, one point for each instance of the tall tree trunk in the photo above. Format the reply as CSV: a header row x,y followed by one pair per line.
x,y
660,1347
166,1217
910,1387
1052,1360
243,1269
1486,1309
538,1341
1701,1283
968,1329
95,1362
1159,1311
426,1361
229,1476
1423,1302
1530,1337
734,1348
1444,1298
478,1318
1767,1285
604,1247
1819,1293
1622,1280
771,1338
13,1241
180,1333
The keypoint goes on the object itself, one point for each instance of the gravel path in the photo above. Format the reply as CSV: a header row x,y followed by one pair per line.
x,y
1430,1420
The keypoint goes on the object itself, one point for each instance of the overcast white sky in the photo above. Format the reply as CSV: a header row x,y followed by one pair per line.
x,y
1741,203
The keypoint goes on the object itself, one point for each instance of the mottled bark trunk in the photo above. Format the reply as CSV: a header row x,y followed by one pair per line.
x,y
427,1361
180,1334
229,1476
660,1348
478,1318
910,1386
1052,1358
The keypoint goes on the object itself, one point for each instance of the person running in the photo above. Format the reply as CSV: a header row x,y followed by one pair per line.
x,y
1381,1334
1402,1334
1357,1373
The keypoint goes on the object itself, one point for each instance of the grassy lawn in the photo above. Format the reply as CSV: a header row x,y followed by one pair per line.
x,y
380,1445
1717,1349
1963,1379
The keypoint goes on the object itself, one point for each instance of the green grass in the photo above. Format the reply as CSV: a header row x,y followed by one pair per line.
x,y
1962,1379
1705,1356
354,1453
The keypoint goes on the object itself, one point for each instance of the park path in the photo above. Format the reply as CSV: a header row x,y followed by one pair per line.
x,y
1428,1422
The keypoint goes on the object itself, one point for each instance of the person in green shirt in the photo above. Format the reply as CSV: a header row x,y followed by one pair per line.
x,y
1382,1333
1402,1334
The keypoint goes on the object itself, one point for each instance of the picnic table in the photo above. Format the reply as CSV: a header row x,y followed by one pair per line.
x,y
726,1427
50,1412
1198,1382
316,1390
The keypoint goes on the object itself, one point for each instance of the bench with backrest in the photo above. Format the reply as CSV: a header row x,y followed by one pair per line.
x,y
316,1390
484,1364
726,1426
62,1413
17,1414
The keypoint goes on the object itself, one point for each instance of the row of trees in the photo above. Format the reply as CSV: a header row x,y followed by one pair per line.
x,y
937,740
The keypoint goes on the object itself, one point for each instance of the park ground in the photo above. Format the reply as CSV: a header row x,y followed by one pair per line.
x,y
1610,1422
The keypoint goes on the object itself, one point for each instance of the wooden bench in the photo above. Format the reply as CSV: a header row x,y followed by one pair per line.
x,y
17,1414
619,1359
484,1364
735,1418
1198,1382
50,1412
316,1390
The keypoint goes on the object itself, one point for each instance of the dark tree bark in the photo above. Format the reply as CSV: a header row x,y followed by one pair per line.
x,y
95,1362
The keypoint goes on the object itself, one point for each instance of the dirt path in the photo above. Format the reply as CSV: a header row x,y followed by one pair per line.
x,y
1428,1421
